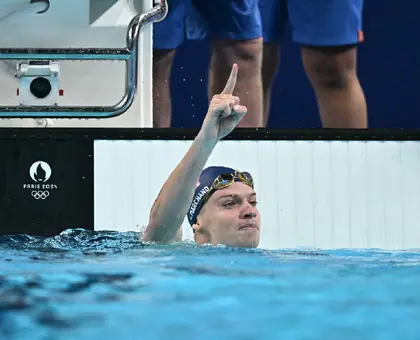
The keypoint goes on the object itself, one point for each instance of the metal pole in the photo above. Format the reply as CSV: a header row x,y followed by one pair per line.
x,y
128,54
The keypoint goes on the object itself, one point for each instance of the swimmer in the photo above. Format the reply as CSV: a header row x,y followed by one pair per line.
x,y
220,203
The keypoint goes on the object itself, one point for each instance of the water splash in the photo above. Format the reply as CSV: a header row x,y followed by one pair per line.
x,y
74,239
106,284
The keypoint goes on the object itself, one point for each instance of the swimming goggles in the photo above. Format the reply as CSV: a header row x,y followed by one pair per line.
x,y
224,180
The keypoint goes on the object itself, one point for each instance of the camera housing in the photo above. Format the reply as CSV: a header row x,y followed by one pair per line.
x,y
39,83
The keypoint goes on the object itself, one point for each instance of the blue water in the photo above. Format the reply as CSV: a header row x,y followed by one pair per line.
x,y
106,285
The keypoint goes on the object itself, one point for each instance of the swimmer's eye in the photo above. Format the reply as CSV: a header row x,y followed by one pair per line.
x,y
233,203
229,204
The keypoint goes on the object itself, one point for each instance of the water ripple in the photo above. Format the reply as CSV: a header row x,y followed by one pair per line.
x,y
107,284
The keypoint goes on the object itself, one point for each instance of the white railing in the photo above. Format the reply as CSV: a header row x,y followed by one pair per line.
x,y
137,54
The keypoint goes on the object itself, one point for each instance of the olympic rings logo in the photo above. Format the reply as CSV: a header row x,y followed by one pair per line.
x,y
40,195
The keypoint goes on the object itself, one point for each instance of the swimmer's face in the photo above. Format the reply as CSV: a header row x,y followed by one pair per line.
x,y
230,217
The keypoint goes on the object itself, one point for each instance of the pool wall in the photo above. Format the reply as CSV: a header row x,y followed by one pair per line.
x,y
323,194
316,188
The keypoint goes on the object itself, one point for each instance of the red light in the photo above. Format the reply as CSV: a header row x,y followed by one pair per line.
x,y
61,92
17,92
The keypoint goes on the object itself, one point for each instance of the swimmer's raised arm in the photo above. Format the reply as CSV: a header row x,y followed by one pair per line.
x,y
171,206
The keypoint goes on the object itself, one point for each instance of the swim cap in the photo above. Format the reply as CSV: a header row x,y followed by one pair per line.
x,y
204,184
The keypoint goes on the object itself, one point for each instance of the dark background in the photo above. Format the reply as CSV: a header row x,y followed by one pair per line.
x,y
68,206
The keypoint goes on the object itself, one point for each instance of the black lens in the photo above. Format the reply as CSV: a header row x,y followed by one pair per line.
x,y
222,180
226,177
247,176
40,87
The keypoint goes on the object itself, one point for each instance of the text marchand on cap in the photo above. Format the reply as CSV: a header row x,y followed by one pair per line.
x,y
197,200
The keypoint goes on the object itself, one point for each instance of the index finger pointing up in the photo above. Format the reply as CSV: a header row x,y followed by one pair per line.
x,y
231,83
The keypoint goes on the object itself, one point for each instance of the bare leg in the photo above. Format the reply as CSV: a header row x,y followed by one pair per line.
x,y
332,73
248,55
162,64
270,64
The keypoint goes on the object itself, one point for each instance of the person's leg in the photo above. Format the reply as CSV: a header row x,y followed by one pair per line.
x,y
235,35
329,32
162,105
167,36
274,19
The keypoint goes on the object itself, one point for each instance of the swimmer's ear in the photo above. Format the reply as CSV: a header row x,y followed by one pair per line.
x,y
196,226
199,236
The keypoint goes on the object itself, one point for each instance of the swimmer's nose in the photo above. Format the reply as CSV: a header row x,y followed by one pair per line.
x,y
249,211
250,214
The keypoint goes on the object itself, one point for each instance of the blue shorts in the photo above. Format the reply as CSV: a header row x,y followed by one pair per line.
x,y
213,19
313,22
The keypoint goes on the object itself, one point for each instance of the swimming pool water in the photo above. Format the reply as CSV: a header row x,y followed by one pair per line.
x,y
106,285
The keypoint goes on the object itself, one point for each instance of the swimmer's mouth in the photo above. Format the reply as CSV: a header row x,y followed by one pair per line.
x,y
249,226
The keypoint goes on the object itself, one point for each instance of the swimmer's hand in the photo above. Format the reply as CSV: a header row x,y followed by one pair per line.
x,y
224,112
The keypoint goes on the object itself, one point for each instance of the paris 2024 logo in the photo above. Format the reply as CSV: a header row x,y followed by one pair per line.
x,y
40,172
